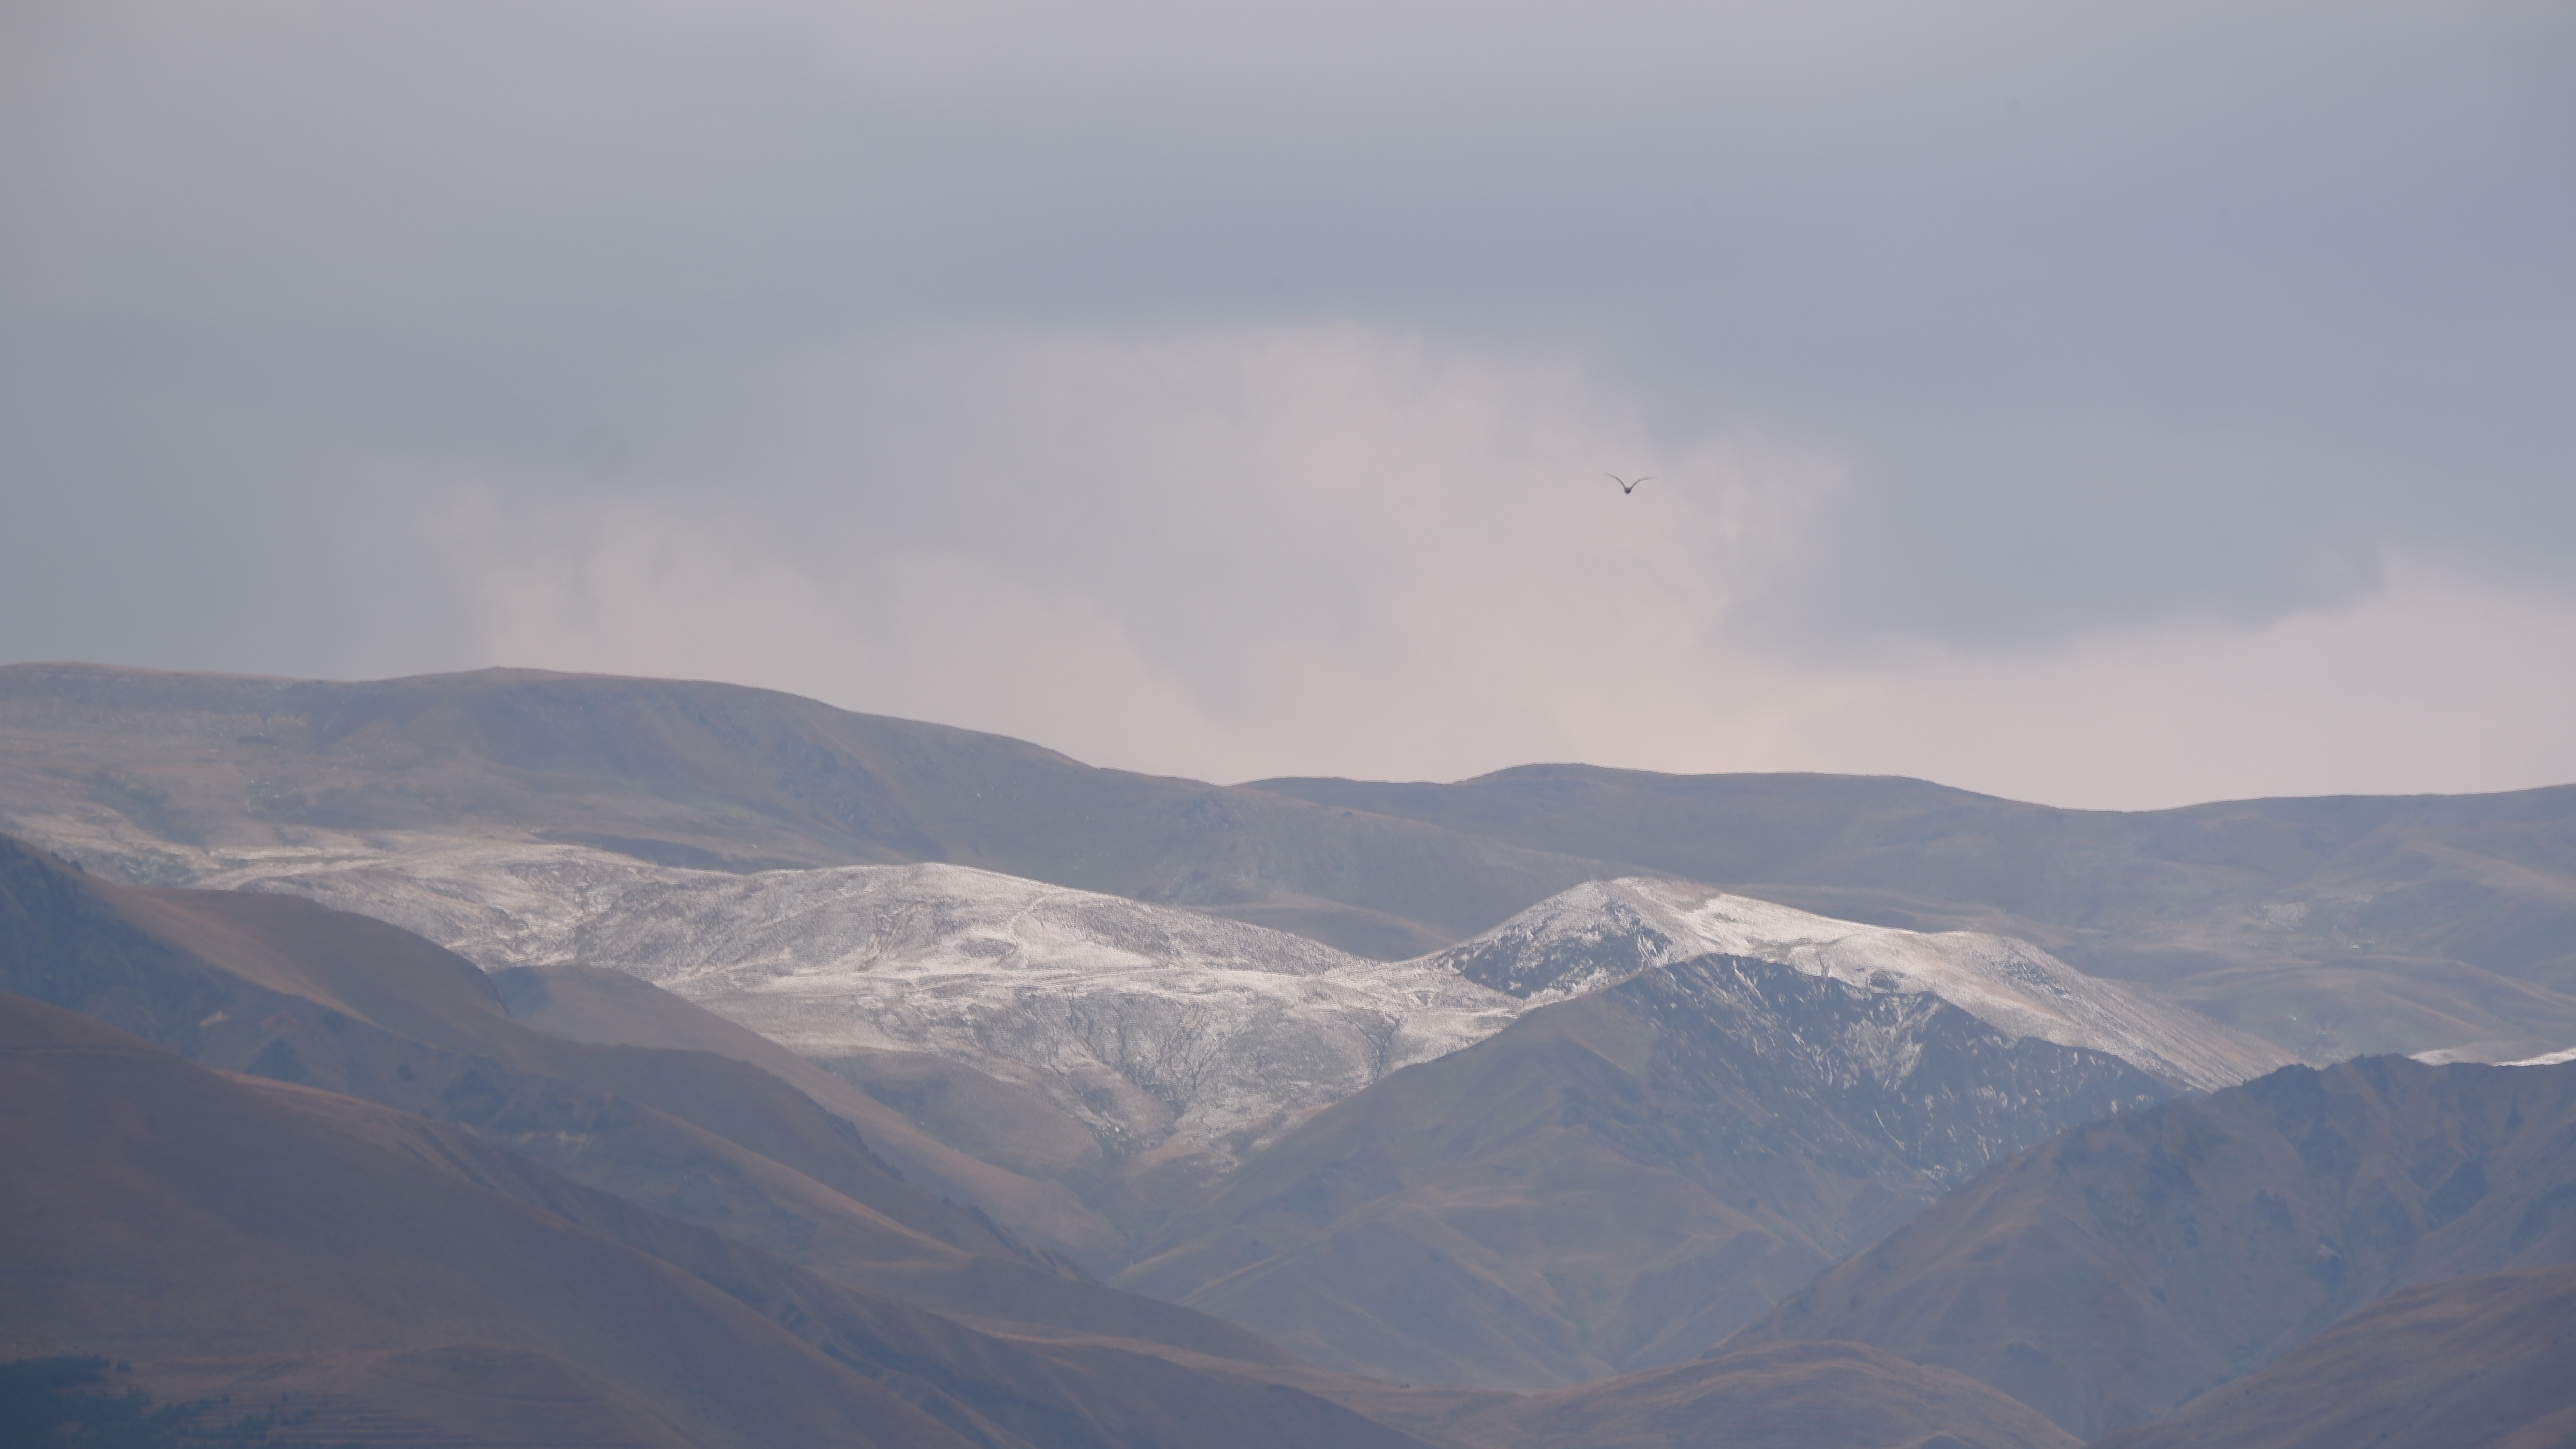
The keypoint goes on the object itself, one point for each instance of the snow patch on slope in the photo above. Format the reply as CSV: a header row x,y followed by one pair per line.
x,y
1147,1023
1154,1026
1604,931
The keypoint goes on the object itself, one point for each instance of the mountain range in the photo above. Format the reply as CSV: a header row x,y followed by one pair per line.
x,y
291,1264
1069,1106
2332,927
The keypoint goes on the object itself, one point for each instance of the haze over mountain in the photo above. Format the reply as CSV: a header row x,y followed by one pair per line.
x,y
2116,1272
2329,927
2115,405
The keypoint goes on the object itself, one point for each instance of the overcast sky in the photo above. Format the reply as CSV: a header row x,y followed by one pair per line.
x,y
2101,402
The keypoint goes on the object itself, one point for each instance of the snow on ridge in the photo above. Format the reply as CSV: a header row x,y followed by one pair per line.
x,y
2010,985
1152,1025
2485,1057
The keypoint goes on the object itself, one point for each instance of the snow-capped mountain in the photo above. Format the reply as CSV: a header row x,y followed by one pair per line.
x,y
1146,1023
1688,1146
1153,1025
1605,931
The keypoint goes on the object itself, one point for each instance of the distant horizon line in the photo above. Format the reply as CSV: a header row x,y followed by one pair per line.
x,y
543,672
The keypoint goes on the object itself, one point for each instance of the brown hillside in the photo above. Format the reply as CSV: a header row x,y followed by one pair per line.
x,y
284,989
162,1212
2489,1361
612,1008
2114,1273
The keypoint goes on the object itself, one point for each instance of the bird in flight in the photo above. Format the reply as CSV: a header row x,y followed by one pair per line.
x,y
1624,485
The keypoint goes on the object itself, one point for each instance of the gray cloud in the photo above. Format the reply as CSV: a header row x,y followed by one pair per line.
x,y
358,340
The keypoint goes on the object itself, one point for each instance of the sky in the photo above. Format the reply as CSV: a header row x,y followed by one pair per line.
x,y
2105,403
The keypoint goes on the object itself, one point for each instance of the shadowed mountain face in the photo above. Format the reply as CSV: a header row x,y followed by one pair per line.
x,y
2126,1267
2489,1361
141,772
1617,1181
2331,926
161,1212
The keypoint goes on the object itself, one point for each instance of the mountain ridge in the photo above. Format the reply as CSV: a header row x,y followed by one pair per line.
x,y
2331,926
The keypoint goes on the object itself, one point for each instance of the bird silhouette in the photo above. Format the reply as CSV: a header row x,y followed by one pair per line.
x,y
1624,485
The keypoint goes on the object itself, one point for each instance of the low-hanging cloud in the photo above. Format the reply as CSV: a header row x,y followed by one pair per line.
x,y
2041,399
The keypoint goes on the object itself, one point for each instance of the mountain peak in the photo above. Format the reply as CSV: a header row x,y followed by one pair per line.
x,y
1604,931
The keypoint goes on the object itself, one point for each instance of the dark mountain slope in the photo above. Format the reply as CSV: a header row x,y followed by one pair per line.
x,y
2122,1269
1617,1181
983,1115
2489,1361
159,1211
284,989
2332,926
706,775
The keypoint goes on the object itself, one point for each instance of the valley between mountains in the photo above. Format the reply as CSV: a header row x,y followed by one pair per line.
x,y
683,1064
